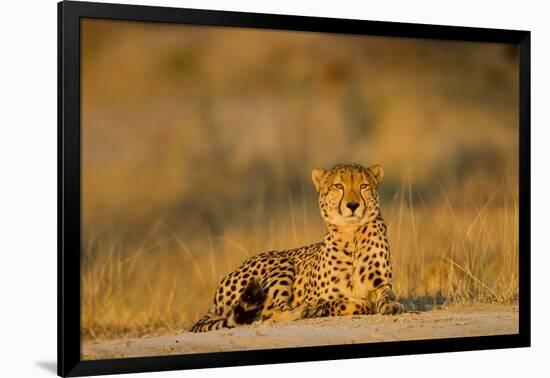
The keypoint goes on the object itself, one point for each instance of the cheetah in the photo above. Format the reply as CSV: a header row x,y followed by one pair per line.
x,y
348,273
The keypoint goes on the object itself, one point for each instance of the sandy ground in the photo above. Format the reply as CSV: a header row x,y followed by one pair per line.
x,y
456,321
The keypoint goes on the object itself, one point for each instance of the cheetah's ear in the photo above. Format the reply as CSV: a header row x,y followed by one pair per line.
x,y
317,177
377,172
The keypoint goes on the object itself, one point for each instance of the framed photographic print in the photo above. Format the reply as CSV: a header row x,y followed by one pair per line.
x,y
239,188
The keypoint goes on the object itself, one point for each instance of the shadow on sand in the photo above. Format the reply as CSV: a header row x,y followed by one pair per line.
x,y
425,303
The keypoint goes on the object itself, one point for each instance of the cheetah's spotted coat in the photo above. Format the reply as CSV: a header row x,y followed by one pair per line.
x,y
349,272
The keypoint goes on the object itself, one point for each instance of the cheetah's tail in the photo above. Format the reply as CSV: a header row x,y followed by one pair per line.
x,y
251,303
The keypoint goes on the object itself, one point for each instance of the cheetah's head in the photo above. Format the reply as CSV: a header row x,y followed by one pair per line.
x,y
348,193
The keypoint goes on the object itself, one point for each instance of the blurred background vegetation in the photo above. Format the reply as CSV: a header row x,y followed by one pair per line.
x,y
198,143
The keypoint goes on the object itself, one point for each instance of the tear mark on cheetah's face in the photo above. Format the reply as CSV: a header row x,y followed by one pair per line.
x,y
348,194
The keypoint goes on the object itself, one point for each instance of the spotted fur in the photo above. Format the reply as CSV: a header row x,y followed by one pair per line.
x,y
347,273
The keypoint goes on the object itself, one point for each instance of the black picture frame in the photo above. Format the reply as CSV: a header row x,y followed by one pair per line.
x,y
69,195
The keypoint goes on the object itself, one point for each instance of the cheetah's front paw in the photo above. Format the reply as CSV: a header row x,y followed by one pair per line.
x,y
390,308
319,310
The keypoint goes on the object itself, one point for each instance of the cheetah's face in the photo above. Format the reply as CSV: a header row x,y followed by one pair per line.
x,y
348,193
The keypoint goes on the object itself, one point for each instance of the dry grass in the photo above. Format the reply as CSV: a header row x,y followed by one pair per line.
x,y
442,254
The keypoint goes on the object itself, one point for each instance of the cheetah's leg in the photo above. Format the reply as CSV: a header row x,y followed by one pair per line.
x,y
285,314
303,311
386,304
350,306
278,306
279,283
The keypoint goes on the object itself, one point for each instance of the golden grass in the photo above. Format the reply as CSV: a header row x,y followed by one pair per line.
x,y
443,253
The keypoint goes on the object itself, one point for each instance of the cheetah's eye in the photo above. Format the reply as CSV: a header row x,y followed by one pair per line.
x,y
363,186
339,186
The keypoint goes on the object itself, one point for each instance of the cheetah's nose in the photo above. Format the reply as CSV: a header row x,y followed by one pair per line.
x,y
352,206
